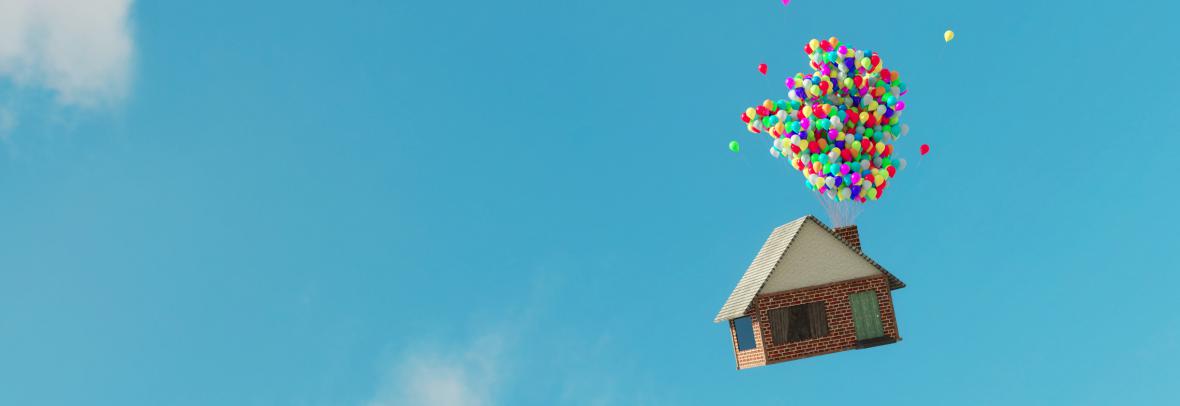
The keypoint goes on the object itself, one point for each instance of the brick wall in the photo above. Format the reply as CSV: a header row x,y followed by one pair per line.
x,y
754,357
841,330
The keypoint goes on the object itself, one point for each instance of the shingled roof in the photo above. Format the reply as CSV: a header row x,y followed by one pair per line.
x,y
772,252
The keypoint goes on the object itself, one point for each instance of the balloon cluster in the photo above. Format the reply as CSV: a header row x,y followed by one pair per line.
x,y
838,123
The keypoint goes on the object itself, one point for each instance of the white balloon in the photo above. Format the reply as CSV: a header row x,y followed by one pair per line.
x,y
901,164
905,129
774,152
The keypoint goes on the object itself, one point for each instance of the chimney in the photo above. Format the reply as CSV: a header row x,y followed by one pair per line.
x,y
849,235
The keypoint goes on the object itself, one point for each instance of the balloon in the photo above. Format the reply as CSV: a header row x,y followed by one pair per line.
x,y
786,2
733,146
838,122
948,35
924,149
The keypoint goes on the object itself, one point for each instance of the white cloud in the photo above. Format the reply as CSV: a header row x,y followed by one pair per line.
x,y
81,50
445,378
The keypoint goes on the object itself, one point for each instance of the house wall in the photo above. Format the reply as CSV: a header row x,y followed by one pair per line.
x,y
816,258
841,330
754,357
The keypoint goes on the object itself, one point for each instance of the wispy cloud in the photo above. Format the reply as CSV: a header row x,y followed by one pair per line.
x,y
521,354
435,377
80,50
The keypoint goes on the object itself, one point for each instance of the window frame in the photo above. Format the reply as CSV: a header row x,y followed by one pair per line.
x,y
781,322
737,336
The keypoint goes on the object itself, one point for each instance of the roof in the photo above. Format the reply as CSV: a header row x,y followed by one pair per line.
x,y
768,258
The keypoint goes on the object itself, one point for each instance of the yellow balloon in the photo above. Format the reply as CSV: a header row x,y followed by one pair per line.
x,y
806,111
948,35
768,104
814,44
750,112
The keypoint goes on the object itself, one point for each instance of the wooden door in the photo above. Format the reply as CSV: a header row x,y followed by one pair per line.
x,y
866,315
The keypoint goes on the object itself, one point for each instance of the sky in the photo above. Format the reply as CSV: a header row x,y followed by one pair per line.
x,y
532,202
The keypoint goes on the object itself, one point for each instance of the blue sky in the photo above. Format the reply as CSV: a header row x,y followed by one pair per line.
x,y
532,203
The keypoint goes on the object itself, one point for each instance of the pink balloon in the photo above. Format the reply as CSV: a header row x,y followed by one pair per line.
x,y
786,2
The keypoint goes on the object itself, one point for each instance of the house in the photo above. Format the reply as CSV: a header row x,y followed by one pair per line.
x,y
810,291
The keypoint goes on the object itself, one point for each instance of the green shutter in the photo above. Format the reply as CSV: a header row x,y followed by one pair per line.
x,y
866,315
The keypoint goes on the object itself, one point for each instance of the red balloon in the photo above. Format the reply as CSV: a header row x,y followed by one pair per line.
x,y
924,149
762,68
745,118
892,171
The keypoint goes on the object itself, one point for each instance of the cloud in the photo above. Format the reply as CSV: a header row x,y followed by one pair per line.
x,y
440,378
80,50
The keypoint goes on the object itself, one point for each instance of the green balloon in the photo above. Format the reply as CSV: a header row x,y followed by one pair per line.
x,y
733,146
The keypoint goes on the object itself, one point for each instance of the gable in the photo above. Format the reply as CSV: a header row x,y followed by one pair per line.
x,y
816,257
772,257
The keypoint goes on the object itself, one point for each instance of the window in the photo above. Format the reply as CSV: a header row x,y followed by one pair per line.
x,y
798,323
743,328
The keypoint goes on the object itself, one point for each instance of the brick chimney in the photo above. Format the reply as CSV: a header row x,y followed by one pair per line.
x,y
849,235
